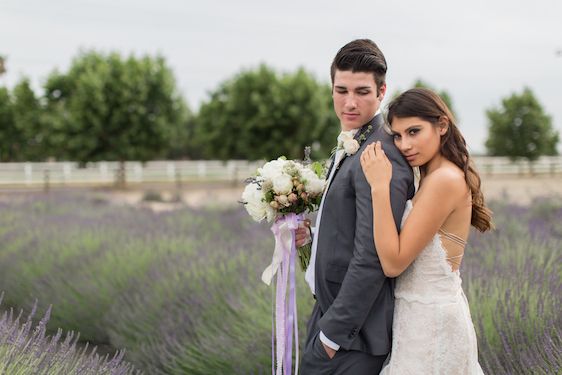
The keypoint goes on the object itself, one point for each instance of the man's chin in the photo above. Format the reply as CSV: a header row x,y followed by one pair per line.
x,y
351,125
356,123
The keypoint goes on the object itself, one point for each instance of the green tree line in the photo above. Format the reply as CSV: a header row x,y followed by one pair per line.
x,y
112,107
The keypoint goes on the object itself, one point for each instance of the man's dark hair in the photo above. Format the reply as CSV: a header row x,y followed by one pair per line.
x,y
361,55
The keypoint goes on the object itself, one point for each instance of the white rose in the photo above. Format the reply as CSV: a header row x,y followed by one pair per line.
x,y
350,146
316,186
347,142
282,184
312,183
272,169
344,136
254,202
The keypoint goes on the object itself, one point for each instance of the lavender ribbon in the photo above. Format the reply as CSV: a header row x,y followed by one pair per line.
x,y
286,322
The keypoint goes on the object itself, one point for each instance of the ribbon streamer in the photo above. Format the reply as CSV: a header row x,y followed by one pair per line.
x,y
286,322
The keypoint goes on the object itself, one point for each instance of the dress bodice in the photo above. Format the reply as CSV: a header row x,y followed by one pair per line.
x,y
430,278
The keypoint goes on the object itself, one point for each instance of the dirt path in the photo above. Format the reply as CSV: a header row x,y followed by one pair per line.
x,y
521,189
513,188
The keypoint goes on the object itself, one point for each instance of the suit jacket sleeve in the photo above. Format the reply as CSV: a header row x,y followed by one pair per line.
x,y
364,277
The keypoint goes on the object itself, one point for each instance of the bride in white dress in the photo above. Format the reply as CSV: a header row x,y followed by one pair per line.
x,y
432,330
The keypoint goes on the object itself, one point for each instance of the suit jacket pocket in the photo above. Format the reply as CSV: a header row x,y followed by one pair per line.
x,y
336,272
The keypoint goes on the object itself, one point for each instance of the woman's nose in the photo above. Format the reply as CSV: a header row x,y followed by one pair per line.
x,y
405,145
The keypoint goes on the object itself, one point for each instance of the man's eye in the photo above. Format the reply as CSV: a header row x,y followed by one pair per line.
x,y
363,92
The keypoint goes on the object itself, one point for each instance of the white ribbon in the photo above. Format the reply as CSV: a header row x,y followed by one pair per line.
x,y
283,239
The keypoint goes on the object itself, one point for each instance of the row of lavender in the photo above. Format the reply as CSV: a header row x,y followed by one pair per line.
x,y
26,349
181,291
513,280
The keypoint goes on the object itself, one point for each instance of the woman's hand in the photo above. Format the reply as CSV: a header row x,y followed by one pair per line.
x,y
376,167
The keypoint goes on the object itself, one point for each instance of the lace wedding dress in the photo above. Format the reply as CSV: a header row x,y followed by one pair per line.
x,y
432,330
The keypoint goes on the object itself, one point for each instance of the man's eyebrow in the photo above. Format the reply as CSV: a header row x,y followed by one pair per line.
x,y
357,88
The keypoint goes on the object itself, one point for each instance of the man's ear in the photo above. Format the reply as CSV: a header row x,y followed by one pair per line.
x,y
382,92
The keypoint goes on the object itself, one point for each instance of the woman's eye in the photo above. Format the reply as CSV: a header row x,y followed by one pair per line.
x,y
396,137
413,131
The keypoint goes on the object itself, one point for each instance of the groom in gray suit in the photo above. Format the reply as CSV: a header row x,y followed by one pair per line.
x,y
350,329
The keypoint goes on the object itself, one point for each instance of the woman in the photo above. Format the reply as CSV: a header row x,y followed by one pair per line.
x,y
432,330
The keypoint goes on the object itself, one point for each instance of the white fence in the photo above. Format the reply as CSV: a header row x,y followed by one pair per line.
x,y
493,165
70,173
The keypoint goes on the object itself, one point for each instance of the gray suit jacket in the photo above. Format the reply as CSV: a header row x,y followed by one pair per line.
x,y
355,298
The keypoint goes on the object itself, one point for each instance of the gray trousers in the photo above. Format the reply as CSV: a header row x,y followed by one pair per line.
x,y
315,360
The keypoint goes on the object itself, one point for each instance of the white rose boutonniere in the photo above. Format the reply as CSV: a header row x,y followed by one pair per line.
x,y
347,142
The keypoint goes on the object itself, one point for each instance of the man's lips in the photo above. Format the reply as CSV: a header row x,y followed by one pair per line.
x,y
351,116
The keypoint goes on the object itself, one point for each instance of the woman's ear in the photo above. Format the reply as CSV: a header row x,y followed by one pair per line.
x,y
443,125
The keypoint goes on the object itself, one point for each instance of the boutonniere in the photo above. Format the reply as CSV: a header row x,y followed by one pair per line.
x,y
348,142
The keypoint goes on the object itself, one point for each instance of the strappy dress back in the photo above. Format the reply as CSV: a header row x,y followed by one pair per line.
x,y
433,332
454,260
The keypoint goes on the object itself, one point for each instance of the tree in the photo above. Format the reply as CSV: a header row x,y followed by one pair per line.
x,y
21,130
520,128
442,93
110,108
29,136
2,65
6,124
259,114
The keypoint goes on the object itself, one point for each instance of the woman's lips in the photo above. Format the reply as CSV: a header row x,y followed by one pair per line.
x,y
411,158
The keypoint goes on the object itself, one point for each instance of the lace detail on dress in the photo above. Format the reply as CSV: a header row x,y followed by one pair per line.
x,y
432,330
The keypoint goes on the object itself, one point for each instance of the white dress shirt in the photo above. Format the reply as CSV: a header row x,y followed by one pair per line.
x,y
310,271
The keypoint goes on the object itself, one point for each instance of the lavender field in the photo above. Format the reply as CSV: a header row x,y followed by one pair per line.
x,y
181,292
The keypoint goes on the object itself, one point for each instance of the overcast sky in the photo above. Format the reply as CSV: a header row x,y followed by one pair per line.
x,y
479,51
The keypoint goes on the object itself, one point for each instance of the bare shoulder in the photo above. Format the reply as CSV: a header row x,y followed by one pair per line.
x,y
447,179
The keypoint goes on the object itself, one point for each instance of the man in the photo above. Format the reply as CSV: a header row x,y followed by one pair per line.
x,y
349,331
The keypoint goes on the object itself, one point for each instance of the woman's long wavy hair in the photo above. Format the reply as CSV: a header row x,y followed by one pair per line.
x,y
425,104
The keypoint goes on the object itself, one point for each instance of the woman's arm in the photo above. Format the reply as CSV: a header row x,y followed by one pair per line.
x,y
441,193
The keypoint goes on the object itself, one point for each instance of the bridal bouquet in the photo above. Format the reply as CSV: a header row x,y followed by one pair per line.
x,y
283,187
282,192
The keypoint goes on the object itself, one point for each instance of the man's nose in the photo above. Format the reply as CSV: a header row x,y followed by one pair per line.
x,y
351,101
